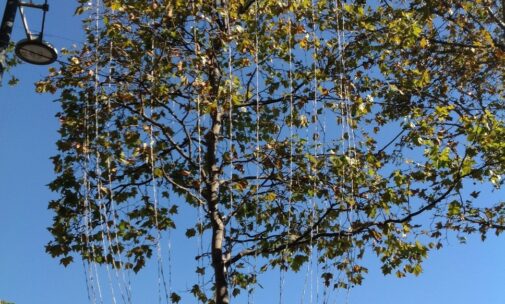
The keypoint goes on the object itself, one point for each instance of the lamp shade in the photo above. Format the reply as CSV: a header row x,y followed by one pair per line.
x,y
36,51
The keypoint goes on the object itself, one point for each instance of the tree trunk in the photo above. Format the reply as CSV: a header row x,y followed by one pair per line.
x,y
221,283
212,197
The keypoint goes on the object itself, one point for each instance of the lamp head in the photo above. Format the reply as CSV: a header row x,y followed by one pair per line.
x,y
36,51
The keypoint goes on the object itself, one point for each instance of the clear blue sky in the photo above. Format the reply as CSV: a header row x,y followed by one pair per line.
x,y
464,274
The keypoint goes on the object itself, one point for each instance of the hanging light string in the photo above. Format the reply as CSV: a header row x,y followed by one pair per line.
x,y
291,119
168,291
230,131
92,278
122,279
200,264
315,139
87,265
285,252
342,112
92,271
353,162
104,231
348,120
89,283
341,96
250,299
161,274
312,265
201,278
169,249
327,204
123,284
169,258
348,144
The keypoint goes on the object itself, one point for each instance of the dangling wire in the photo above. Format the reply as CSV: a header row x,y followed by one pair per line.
x,y
168,291
250,299
152,163
315,139
104,231
123,284
92,272
312,265
327,205
230,126
200,265
348,144
89,283
169,248
230,110
291,135
201,278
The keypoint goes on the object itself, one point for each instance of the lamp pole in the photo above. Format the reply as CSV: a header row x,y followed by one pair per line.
x,y
9,16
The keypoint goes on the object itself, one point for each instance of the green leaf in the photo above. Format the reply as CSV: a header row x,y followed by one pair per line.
x,y
297,262
175,298
66,260
190,233
454,208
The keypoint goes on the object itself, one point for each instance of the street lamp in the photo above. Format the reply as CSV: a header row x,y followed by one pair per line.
x,y
36,51
33,49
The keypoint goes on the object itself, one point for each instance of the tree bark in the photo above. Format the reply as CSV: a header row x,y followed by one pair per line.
x,y
213,182
212,197
218,263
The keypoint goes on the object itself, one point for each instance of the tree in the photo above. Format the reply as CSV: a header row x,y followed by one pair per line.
x,y
368,127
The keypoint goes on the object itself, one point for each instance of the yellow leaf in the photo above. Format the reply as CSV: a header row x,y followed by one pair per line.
x,y
270,196
423,43
115,6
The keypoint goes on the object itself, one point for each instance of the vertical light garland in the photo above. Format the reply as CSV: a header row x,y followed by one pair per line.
x,y
200,264
161,274
315,139
250,299
123,284
104,228
285,252
89,267
326,202
92,271
348,143
230,126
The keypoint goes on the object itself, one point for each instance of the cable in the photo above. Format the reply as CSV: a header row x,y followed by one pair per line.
x,y
161,275
250,299
291,135
116,251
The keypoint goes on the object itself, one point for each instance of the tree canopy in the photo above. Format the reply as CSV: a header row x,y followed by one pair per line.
x,y
343,128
